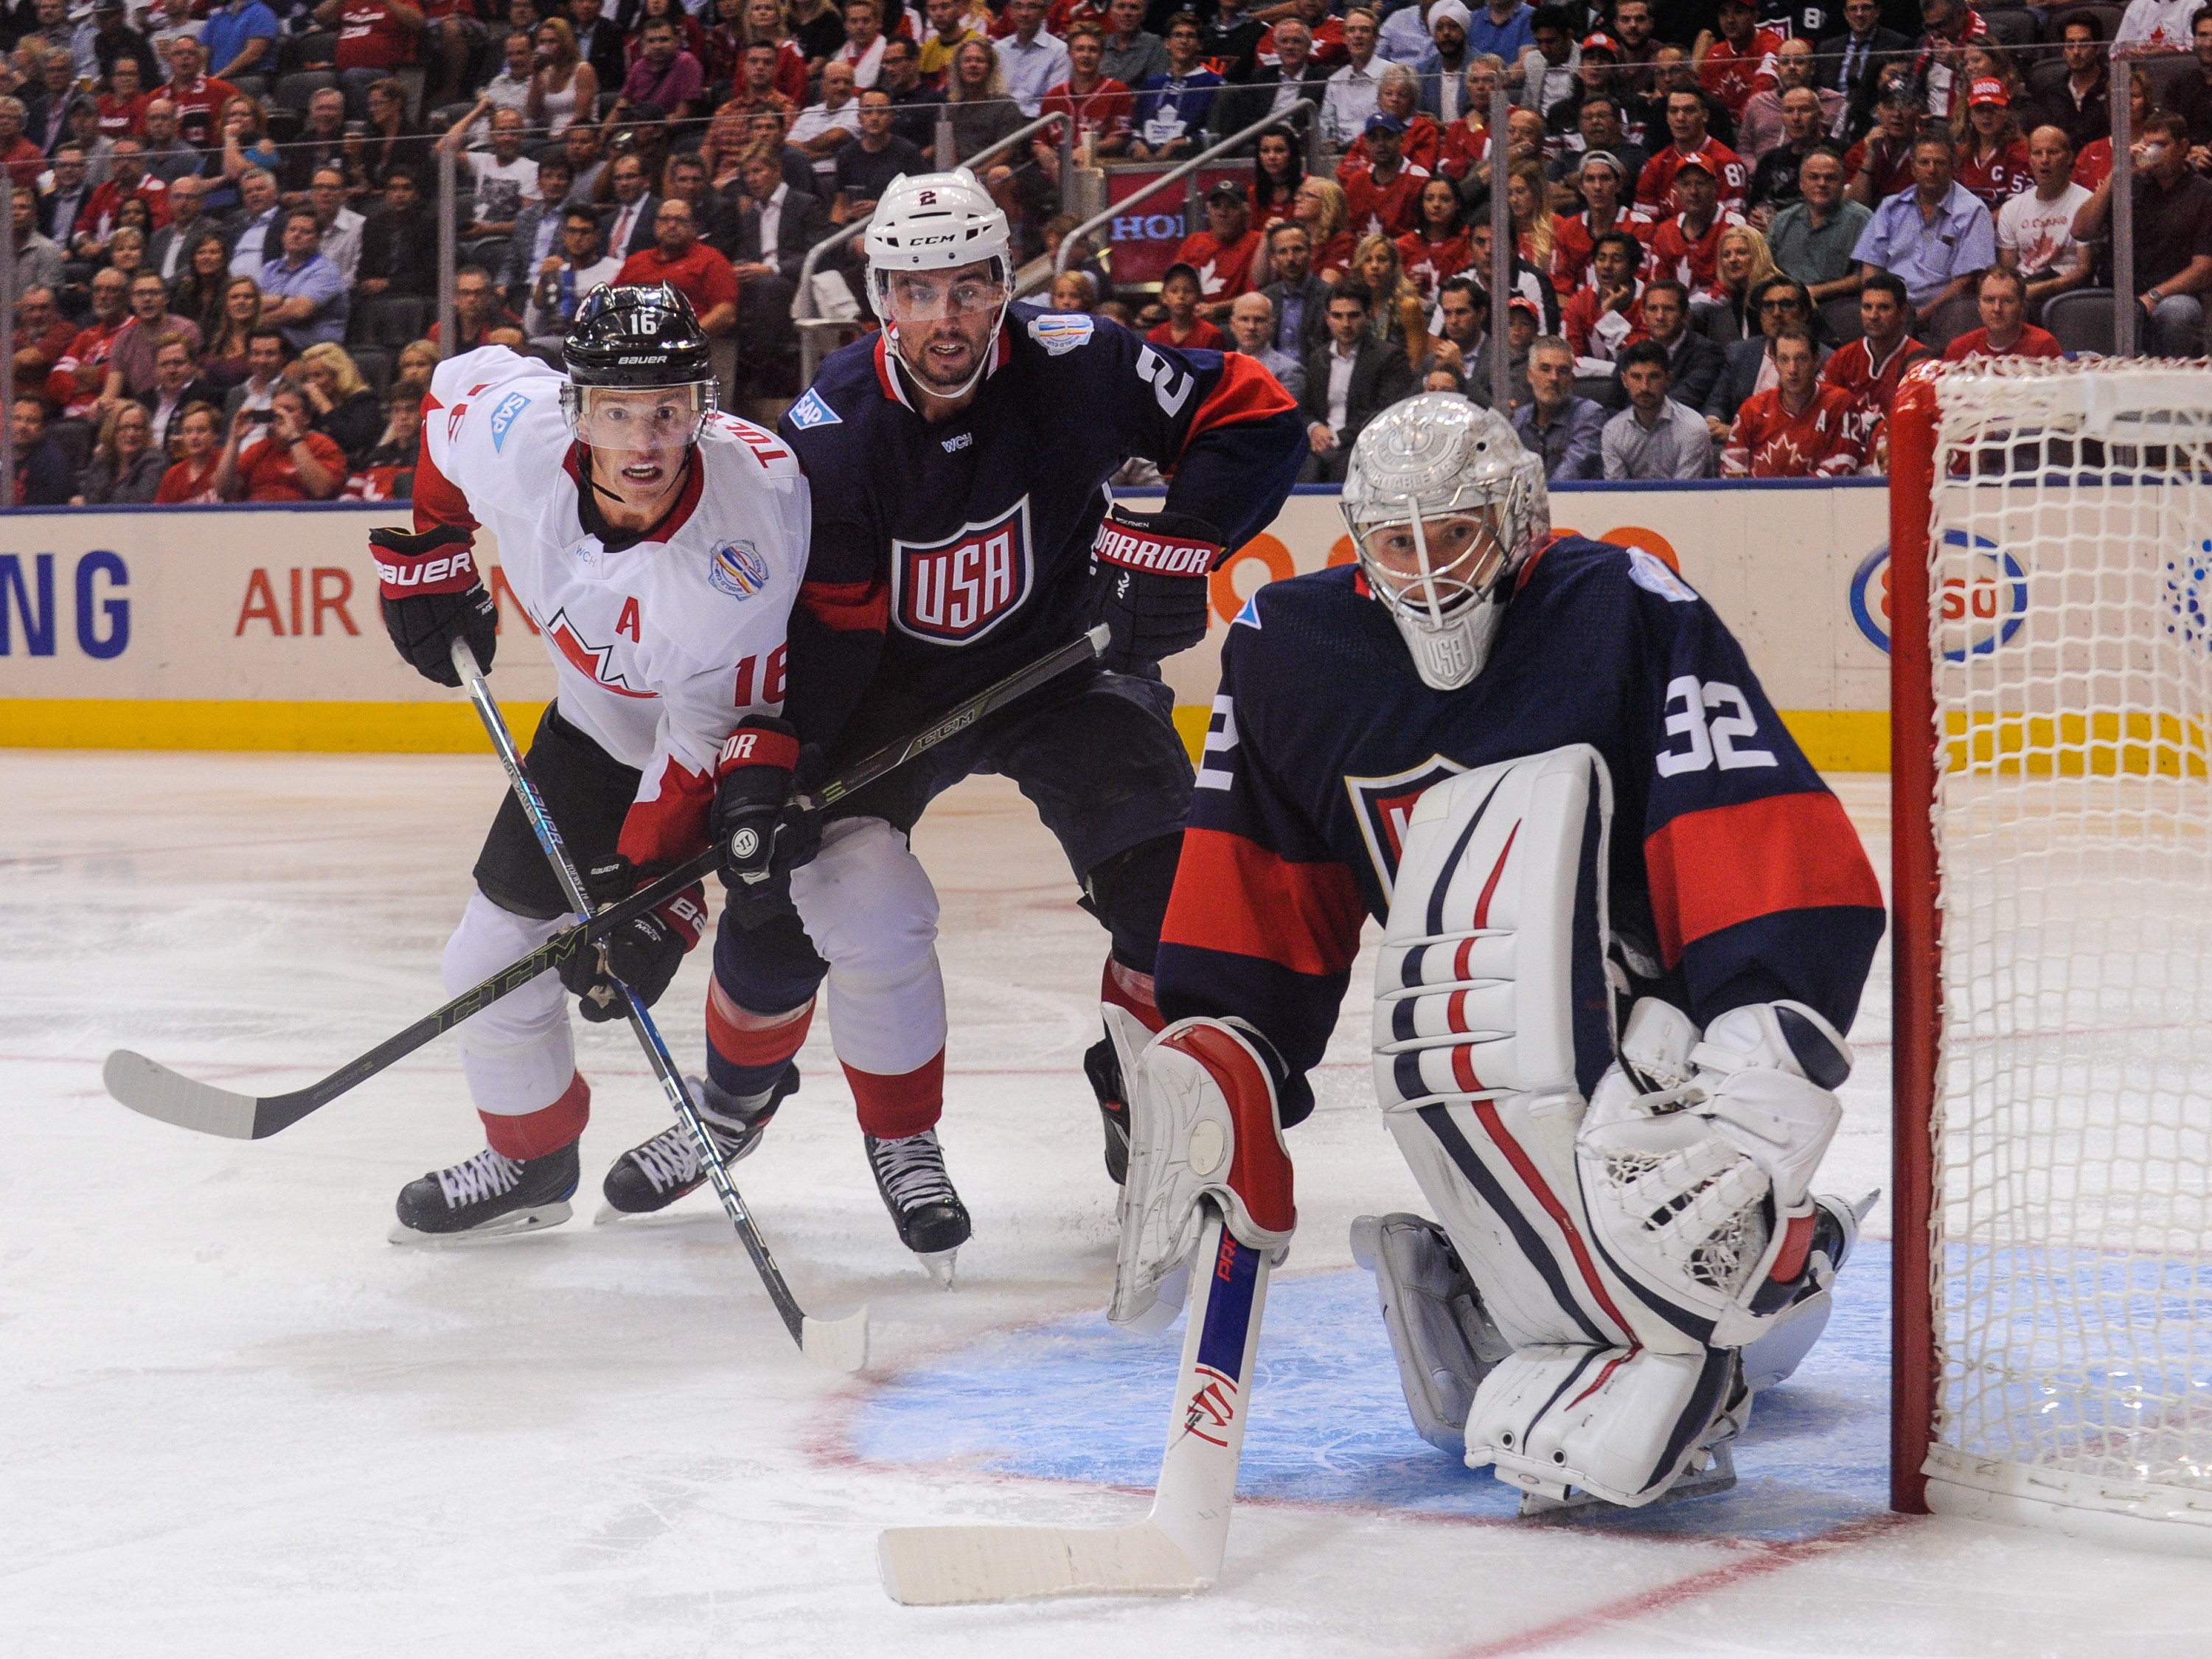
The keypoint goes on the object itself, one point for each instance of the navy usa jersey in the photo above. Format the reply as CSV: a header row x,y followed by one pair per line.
x,y
945,557
1734,875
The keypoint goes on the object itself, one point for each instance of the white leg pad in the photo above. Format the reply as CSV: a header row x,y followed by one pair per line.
x,y
1619,1423
871,910
518,1054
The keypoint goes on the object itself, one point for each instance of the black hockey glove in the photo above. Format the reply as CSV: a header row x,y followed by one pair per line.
x,y
644,952
1157,594
431,594
759,827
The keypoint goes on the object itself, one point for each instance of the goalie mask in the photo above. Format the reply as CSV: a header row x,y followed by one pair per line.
x,y
640,374
928,231
1444,504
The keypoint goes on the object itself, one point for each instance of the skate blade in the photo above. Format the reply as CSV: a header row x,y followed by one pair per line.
x,y
1718,1476
536,1219
937,1264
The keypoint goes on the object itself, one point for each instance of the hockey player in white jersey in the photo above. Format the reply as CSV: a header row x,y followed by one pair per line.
x,y
657,546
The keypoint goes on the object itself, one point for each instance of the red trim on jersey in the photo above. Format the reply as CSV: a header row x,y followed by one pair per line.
x,y
1796,1245
1234,895
673,826
687,502
438,500
745,1038
1713,869
547,1129
1259,1168
1002,348
847,607
893,1105
1245,391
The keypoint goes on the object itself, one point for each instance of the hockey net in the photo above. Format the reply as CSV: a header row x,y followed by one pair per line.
x,y
2053,899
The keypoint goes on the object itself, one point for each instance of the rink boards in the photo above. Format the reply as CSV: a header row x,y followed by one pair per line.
x,y
257,627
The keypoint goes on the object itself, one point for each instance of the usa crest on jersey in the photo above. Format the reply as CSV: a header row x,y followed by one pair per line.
x,y
1384,806
955,591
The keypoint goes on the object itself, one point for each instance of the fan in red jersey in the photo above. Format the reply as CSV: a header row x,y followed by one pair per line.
x,y
1993,157
1688,247
2005,330
1602,183
1798,428
1685,121
1742,62
1867,369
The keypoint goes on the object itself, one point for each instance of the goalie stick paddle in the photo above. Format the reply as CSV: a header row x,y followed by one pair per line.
x,y
1179,1546
839,1344
152,1089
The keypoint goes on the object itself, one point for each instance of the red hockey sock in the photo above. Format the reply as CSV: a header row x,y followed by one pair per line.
x,y
1123,987
893,1105
746,1052
547,1129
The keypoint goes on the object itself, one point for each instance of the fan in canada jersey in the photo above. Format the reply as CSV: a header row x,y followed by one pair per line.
x,y
963,530
657,546
1546,768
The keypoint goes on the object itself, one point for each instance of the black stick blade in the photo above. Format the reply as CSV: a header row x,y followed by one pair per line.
x,y
152,1089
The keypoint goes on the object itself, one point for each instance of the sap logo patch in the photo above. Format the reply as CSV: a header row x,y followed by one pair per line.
x,y
958,441
810,411
509,411
1060,332
739,570
1249,615
955,591
1384,806
1652,575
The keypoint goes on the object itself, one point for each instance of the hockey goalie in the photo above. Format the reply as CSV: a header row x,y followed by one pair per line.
x,y
1624,928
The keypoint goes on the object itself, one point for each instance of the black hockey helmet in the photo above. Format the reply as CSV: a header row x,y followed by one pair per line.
x,y
635,334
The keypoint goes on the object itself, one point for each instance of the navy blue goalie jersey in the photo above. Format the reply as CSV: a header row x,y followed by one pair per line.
x,y
946,555
1734,874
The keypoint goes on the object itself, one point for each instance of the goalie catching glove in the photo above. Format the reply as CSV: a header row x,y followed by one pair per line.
x,y
1203,1125
644,952
429,595
1158,589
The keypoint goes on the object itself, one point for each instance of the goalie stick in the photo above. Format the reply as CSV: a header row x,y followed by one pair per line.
x,y
840,1345
1179,1546
152,1089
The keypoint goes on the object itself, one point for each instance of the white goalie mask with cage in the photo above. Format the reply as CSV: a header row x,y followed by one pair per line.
x,y
926,229
1444,504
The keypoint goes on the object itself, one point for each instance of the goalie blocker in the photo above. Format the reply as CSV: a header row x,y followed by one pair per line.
x,y
1645,1254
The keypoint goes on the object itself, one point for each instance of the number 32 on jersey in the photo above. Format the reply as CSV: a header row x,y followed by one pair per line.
x,y
1711,741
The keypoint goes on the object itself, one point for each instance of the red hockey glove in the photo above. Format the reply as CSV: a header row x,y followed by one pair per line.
x,y
759,827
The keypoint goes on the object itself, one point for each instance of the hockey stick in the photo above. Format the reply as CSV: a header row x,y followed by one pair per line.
x,y
841,1344
152,1089
1178,1548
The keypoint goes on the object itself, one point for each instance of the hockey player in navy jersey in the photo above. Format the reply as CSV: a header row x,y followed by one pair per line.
x,y
1545,765
962,529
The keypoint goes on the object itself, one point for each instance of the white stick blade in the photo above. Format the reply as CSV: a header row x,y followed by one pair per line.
x,y
152,1089
949,1566
836,1344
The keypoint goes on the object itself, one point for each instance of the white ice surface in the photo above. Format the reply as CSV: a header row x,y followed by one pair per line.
x,y
235,1422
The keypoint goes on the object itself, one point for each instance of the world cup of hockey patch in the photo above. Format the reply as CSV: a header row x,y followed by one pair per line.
x,y
957,590
510,409
739,570
1060,332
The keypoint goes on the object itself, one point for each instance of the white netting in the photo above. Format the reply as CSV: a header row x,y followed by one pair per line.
x,y
2071,556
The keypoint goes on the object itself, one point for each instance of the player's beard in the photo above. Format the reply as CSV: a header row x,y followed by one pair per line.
x,y
938,371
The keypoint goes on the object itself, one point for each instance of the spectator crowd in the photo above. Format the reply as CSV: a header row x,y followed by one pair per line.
x,y
1734,222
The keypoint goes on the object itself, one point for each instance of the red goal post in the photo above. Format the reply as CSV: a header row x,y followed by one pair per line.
x,y
2050,611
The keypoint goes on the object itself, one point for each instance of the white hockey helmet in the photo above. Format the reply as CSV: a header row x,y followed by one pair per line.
x,y
938,223
1444,504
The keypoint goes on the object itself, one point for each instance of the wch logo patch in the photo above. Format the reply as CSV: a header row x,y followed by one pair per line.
x,y
1385,806
957,590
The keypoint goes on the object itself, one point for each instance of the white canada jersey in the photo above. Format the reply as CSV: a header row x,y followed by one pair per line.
x,y
662,647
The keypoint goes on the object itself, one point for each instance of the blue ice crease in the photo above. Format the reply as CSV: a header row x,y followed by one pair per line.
x,y
1075,1400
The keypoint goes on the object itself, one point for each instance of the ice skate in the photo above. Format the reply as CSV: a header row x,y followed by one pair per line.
x,y
653,1176
489,1196
1103,1068
931,1219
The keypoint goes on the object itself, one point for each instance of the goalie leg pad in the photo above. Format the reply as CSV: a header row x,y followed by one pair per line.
x,y
1444,1343
1203,1123
1619,1423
